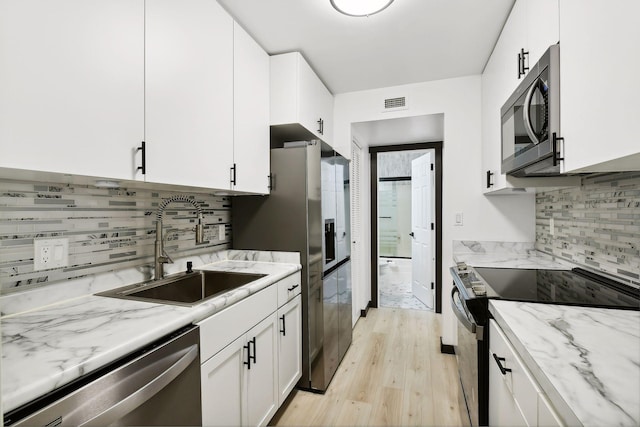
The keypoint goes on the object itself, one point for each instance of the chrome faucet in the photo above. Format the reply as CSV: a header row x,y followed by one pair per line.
x,y
161,256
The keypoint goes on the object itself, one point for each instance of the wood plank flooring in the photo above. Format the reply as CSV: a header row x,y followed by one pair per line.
x,y
392,375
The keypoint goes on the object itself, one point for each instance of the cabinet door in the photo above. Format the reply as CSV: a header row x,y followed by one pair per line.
x,y
222,386
503,409
251,113
499,80
261,379
289,347
189,93
314,102
543,27
599,84
72,86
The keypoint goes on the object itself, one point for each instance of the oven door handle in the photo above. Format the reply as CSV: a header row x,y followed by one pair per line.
x,y
472,327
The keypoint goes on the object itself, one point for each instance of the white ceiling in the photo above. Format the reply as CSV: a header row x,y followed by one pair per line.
x,y
411,41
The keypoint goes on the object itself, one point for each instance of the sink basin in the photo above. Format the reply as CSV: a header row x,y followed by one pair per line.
x,y
184,288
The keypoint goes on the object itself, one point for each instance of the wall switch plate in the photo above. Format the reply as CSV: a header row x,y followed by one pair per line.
x,y
458,219
221,232
50,253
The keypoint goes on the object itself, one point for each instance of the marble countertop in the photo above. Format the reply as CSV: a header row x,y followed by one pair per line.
x,y
587,360
505,255
45,348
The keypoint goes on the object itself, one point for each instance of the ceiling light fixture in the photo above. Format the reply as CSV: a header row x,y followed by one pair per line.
x,y
360,8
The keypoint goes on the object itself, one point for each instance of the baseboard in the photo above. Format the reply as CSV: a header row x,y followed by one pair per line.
x,y
446,348
363,312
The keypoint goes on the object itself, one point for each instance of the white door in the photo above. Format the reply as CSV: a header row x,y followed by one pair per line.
x,y
421,219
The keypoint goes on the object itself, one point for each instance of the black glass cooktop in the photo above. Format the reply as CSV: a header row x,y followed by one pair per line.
x,y
576,287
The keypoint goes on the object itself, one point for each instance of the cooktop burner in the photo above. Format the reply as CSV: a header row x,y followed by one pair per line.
x,y
576,287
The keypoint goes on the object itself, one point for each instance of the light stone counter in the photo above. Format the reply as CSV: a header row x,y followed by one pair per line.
x,y
587,360
505,255
45,348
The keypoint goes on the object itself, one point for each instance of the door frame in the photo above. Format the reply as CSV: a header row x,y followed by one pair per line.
x,y
373,181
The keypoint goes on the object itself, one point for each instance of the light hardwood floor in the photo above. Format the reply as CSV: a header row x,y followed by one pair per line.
x,y
392,375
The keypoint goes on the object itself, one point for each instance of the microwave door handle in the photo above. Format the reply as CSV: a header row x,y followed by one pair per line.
x,y
527,116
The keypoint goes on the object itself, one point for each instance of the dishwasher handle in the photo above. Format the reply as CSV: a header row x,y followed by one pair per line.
x,y
463,317
144,392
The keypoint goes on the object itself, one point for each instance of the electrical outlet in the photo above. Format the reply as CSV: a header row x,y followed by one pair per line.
x,y
221,231
551,227
50,253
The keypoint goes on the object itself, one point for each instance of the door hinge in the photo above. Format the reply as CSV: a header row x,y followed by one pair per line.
x,y
433,226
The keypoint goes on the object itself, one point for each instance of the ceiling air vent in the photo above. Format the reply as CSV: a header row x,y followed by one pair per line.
x,y
392,104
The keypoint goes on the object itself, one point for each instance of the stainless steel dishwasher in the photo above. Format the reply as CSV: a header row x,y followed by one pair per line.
x,y
158,385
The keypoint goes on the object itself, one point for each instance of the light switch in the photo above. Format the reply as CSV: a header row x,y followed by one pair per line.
x,y
458,219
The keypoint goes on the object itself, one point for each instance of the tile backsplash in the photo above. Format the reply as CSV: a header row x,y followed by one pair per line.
x,y
596,225
107,229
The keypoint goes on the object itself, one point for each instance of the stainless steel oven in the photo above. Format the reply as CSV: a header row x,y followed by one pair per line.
x,y
531,141
471,350
475,286
156,386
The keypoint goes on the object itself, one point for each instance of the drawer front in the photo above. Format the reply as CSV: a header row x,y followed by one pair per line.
x,y
523,387
222,328
288,288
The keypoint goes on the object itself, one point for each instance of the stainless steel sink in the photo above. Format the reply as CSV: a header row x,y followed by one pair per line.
x,y
184,288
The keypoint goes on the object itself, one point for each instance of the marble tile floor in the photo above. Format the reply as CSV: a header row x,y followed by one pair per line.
x,y
394,285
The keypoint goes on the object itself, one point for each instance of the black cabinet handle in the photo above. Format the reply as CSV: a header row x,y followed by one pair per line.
x,y
143,148
556,154
270,181
292,288
248,361
522,69
249,356
489,175
233,174
283,331
320,126
502,368
253,341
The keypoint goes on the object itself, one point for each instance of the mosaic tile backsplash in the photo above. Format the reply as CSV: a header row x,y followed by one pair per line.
x,y
107,229
596,225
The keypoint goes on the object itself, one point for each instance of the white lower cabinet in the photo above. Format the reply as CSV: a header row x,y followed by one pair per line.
x,y
239,384
222,386
289,347
515,398
261,375
249,366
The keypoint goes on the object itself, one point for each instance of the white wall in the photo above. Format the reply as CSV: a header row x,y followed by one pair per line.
x,y
497,218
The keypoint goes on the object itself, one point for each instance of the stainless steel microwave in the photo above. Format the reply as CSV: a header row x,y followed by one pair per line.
x,y
531,142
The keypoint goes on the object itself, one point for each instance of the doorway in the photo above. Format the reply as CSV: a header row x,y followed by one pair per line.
x,y
402,241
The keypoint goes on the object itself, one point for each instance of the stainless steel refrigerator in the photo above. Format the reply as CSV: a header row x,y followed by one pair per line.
x,y
307,211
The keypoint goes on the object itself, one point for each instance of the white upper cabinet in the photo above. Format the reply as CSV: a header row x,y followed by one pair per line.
x,y
543,27
532,26
189,93
72,86
250,114
301,106
599,85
